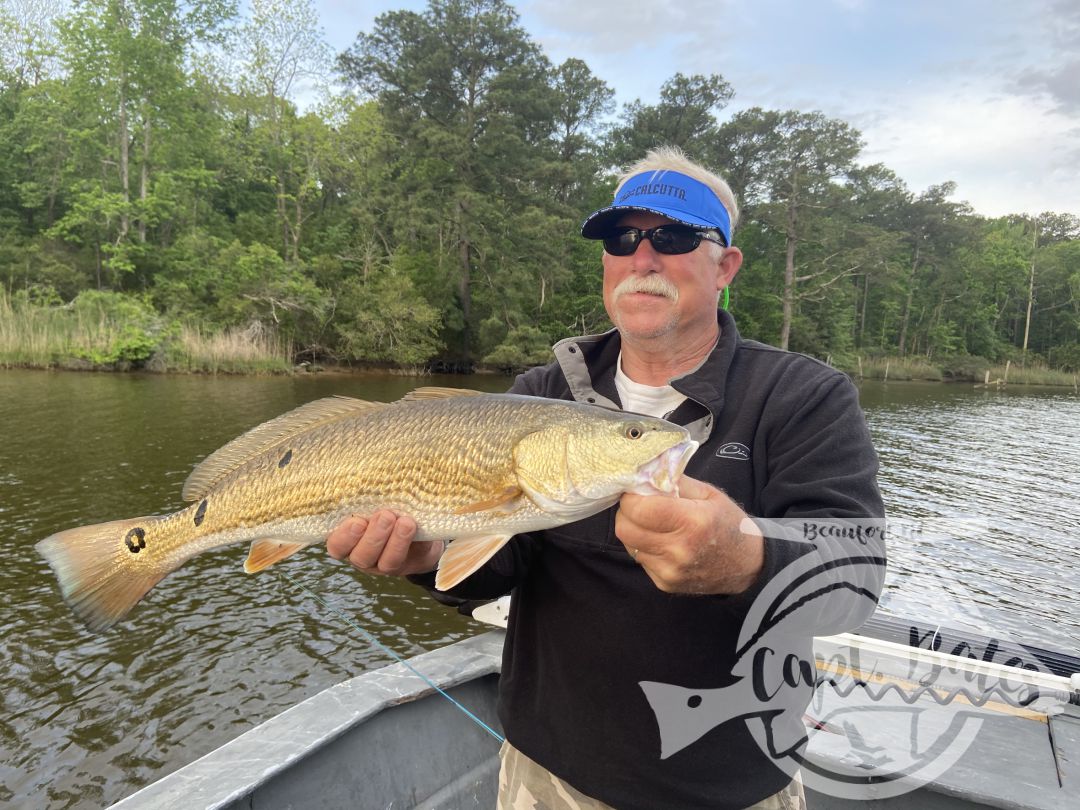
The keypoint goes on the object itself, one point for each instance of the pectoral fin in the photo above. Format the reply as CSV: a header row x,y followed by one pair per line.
x,y
269,550
463,557
509,500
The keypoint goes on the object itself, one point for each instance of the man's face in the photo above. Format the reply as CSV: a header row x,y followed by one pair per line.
x,y
669,296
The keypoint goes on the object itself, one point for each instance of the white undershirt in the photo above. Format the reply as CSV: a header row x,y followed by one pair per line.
x,y
651,400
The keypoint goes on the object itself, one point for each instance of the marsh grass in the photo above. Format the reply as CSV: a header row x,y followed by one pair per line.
x,y
104,337
959,369
233,351
1034,375
895,368
37,336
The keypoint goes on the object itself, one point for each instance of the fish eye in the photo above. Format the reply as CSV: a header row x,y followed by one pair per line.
x,y
634,432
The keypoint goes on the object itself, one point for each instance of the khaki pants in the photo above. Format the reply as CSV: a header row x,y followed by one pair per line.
x,y
524,785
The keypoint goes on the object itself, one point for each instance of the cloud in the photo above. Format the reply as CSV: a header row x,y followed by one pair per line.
x,y
1062,84
1053,69
613,28
1009,154
1063,21
634,47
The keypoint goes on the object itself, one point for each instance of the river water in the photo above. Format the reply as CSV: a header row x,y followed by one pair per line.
x,y
982,484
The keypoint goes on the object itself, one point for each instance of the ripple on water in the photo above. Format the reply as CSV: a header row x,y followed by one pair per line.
x,y
1011,463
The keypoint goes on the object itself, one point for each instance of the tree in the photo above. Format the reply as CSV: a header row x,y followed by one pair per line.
x,y
787,166
126,61
284,51
28,45
581,101
684,117
933,229
463,91
385,319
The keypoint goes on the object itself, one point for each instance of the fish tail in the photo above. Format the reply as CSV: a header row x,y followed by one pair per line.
x,y
104,569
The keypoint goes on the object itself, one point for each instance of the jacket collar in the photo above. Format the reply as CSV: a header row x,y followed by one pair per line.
x,y
588,364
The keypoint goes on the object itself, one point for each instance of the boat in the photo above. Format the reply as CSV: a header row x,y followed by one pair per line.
x,y
393,737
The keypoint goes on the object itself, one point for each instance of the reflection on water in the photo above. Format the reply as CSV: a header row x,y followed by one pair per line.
x,y
87,719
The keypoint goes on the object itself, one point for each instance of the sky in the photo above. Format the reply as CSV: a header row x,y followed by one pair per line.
x,y
986,94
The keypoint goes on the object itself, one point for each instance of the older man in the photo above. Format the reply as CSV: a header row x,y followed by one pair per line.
x,y
656,590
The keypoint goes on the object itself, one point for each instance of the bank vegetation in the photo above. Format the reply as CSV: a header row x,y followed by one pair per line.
x,y
165,203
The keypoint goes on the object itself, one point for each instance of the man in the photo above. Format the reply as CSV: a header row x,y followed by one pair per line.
x,y
656,590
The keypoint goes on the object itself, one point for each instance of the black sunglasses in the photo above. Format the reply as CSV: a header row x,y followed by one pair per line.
x,y
668,239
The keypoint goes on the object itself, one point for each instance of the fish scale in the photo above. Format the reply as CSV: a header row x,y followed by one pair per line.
x,y
468,467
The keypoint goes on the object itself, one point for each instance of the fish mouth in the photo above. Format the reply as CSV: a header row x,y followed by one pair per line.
x,y
661,475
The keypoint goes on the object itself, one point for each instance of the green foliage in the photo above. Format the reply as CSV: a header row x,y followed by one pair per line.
x,y
383,319
165,204
100,329
523,347
126,332
1067,357
684,117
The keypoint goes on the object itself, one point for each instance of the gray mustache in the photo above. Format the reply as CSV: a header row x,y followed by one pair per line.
x,y
652,284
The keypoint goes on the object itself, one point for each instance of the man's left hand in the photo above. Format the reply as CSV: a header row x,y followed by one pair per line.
x,y
700,542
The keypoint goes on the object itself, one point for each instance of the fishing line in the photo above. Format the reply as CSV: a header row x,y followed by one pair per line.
x,y
371,639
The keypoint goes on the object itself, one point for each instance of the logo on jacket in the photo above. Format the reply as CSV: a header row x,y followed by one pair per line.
x,y
734,450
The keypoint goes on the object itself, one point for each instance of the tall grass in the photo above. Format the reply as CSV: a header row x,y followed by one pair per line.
x,y
37,336
1033,375
233,351
894,368
962,369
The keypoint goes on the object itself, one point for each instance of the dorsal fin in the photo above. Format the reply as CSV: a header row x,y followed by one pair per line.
x,y
268,435
438,392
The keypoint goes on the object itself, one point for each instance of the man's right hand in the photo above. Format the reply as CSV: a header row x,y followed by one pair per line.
x,y
382,543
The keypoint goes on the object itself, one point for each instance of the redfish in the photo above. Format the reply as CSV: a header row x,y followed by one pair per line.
x,y
470,468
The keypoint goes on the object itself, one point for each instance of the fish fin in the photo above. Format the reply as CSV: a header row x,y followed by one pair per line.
x,y
509,500
267,436
438,392
463,557
269,550
99,568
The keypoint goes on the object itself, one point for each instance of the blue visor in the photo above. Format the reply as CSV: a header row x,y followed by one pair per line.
x,y
667,193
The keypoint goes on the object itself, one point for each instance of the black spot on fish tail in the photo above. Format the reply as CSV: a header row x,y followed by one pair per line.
x,y
135,540
200,513
285,459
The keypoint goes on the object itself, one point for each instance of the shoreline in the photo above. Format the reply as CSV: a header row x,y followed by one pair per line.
x,y
994,377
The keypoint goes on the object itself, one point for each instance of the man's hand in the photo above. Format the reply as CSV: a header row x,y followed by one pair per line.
x,y
382,543
700,542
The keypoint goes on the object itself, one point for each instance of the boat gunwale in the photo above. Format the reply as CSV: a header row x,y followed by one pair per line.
x,y
277,744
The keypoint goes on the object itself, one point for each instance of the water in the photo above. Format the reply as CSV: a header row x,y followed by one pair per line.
x,y
86,720
992,480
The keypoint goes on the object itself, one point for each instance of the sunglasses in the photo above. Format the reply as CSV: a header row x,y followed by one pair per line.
x,y
671,240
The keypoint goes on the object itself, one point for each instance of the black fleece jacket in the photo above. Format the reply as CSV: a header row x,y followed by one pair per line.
x,y
784,437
